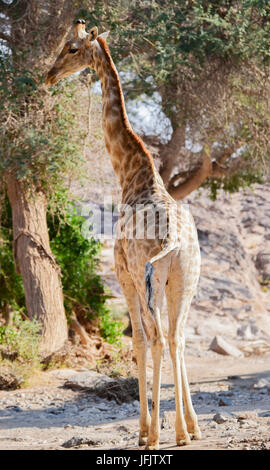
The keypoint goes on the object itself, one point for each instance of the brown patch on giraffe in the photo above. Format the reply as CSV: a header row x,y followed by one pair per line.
x,y
109,130
108,147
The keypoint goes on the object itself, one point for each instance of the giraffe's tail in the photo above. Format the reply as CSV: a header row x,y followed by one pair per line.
x,y
149,273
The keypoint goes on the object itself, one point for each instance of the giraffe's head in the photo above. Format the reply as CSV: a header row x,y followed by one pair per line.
x,y
77,53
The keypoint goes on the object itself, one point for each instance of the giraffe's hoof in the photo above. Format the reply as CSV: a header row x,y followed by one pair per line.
x,y
195,435
142,440
183,441
154,446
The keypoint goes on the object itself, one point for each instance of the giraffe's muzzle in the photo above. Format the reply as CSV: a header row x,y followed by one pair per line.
x,y
51,78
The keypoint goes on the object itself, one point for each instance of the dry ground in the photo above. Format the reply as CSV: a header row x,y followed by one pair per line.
x,y
48,415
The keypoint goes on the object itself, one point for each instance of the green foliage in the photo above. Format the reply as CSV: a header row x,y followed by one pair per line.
x,y
78,259
174,33
111,329
39,136
232,184
193,53
22,337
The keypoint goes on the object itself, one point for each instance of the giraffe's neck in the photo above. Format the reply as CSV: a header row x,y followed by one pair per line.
x,y
130,159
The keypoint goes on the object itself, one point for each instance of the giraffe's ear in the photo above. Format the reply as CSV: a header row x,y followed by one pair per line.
x,y
104,35
93,33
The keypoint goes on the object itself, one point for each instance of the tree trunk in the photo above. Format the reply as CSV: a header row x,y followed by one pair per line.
x,y
170,152
35,262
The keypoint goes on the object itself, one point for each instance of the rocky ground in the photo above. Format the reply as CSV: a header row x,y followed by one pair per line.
x,y
233,410
227,351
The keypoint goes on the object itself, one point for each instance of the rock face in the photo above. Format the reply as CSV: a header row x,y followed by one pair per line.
x,y
233,297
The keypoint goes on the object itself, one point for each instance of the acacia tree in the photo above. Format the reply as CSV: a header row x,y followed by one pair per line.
x,y
209,62
36,149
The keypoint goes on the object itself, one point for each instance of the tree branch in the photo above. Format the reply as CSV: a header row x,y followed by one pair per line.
x,y
192,183
3,7
5,37
208,169
79,329
169,153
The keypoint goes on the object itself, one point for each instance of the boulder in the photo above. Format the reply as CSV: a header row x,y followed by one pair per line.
x,y
220,346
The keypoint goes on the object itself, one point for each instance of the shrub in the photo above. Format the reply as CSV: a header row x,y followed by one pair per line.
x,y
77,257
22,338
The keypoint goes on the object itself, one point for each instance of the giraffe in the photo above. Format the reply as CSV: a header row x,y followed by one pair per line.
x,y
147,267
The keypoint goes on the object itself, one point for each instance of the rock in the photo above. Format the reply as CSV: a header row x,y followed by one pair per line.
x,y
265,414
103,407
220,346
213,426
89,380
246,415
55,411
262,383
77,441
221,418
245,332
262,264
14,408
223,401
248,424
122,428
136,405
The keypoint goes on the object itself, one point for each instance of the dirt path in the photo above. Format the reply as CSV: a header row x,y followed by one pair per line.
x,y
49,416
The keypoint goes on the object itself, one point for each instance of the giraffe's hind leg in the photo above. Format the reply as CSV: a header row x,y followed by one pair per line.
x,y
157,348
179,298
139,341
157,342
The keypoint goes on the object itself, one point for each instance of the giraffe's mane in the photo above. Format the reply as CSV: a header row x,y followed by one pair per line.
x,y
135,137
